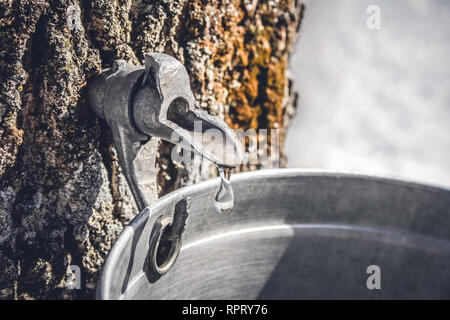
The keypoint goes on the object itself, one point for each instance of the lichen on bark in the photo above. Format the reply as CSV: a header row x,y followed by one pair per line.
x,y
63,198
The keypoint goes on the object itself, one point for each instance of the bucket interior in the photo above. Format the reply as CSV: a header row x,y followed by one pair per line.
x,y
294,235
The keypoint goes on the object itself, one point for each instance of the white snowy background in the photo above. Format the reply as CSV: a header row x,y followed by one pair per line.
x,y
374,101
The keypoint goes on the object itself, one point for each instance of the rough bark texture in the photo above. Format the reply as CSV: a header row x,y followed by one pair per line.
x,y
63,199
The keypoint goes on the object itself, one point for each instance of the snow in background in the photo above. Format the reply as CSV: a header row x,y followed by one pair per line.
x,y
375,101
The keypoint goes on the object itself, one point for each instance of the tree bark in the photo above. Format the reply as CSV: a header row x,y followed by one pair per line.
x,y
63,199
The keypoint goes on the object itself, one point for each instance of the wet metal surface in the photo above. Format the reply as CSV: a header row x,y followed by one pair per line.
x,y
294,235
142,104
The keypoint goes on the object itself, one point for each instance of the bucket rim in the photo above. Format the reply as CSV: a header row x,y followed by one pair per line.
x,y
103,286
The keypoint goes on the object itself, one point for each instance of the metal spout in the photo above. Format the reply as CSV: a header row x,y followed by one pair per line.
x,y
142,104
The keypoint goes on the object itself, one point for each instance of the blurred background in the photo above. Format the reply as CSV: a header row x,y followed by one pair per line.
x,y
373,100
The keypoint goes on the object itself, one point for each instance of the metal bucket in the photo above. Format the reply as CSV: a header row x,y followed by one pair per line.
x,y
294,234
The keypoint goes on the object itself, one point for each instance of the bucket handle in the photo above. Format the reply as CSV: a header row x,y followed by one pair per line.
x,y
165,241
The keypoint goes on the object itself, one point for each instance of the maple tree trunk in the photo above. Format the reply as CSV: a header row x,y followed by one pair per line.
x,y
63,199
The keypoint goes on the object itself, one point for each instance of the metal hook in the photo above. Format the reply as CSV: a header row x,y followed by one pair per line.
x,y
165,241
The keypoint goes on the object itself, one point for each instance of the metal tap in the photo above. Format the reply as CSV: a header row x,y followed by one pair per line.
x,y
142,104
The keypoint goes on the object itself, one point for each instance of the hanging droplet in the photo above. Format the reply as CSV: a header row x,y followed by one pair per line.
x,y
224,200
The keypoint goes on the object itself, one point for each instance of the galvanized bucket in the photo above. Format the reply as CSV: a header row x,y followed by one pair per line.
x,y
294,234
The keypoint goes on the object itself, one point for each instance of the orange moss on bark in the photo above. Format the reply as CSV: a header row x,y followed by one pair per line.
x,y
247,44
